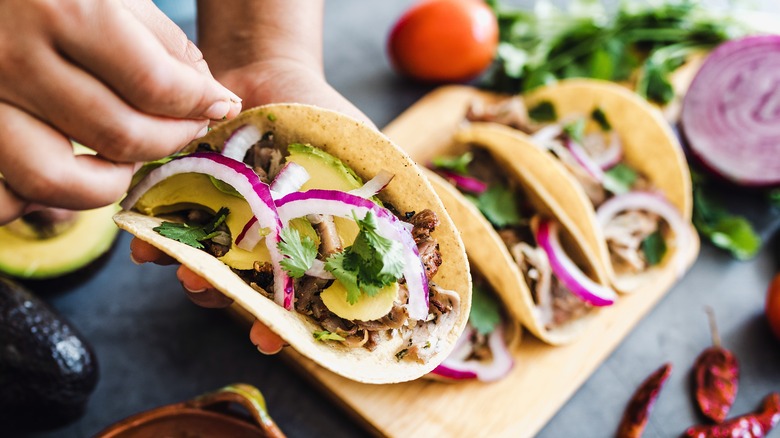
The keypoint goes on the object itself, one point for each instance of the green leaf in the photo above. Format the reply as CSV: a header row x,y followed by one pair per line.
x,y
543,112
192,235
369,264
774,197
725,230
600,117
499,205
457,164
619,179
601,65
485,311
654,248
575,130
325,335
224,187
299,253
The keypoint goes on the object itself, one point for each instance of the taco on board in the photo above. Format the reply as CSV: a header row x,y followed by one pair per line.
x,y
370,280
626,159
519,236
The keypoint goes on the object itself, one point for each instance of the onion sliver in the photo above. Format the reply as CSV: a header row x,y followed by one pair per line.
x,y
654,203
247,184
585,161
290,179
240,141
547,134
374,185
568,272
500,365
612,155
466,183
731,112
341,204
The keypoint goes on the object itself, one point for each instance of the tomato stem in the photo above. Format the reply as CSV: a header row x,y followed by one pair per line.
x,y
713,326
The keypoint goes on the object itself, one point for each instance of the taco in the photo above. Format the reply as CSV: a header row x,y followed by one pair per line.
x,y
368,280
626,159
519,236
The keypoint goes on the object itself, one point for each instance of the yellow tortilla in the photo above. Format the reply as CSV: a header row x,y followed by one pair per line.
x,y
367,152
649,146
488,253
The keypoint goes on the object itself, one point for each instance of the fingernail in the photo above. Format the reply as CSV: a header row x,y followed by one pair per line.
x,y
202,132
135,260
268,353
193,291
218,110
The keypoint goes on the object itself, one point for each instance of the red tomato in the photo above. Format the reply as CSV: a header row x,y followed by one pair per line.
x,y
444,40
773,306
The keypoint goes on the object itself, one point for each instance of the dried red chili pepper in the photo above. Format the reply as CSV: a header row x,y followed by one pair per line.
x,y
755,425
716,377
638,410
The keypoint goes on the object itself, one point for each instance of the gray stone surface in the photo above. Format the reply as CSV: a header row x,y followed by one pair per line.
x,y
155,347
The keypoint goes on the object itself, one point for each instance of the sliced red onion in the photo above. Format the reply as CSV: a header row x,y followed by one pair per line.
x,y
250,235
547,134
374,185
654,203
568,272
341,204
731,112
612,154
581,156
240,141
247,184
467,183
289,179
455,368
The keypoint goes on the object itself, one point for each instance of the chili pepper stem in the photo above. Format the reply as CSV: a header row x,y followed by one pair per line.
x,y
713,327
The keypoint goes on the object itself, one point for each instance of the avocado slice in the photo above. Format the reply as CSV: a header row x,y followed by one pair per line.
x,y
47,369
26,252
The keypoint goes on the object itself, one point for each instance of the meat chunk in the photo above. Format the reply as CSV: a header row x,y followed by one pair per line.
x,y
423,224
510,112
424,339
625,234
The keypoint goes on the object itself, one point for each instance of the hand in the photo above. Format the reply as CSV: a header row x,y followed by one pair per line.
x,y
200,292
116,76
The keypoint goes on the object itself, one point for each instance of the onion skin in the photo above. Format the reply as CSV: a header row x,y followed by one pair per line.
x,y
731,113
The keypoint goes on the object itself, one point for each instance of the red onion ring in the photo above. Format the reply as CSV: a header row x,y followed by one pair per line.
x,y
612,155
655,203
466,183
374,185
240,141
341,204
247,184
731,112
584,160
289,179
568,272
457,368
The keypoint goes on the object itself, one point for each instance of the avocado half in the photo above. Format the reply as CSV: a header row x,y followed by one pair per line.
x,y
89,236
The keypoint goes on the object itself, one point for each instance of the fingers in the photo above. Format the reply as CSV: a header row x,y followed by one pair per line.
x,y
143,252
38,165
267,341
200,291
135,64
11,206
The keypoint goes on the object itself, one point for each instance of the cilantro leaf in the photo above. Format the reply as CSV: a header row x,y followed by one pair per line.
x,y
485,314
499,205
730,232
619,179
299,253
654,248
543,112
325,335
600,117
774,198
457,164
575,130
369,264
193,235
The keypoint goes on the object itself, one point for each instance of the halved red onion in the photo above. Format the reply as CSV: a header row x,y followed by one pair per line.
x,y
341,204
466,183
584,160
374,185
567,271
289,179
240,141
247,184
652,202
456,367
610,156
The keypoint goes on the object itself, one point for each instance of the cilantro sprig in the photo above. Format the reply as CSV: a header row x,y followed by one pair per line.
x,y
485,311
499,205
193,235
325,335
458,164
299,253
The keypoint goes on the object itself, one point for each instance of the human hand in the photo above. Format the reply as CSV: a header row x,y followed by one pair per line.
x,y
202,293
106,74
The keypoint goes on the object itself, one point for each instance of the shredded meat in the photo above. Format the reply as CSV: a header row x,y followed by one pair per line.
x,y
423,340
566,306
424,223
265,158
511,112
330,242
624,234
593,188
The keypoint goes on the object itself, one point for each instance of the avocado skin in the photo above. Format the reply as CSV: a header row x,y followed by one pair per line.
x,y
47,369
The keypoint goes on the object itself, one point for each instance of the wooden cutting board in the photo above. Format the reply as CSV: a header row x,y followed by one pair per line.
x,y
544,376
